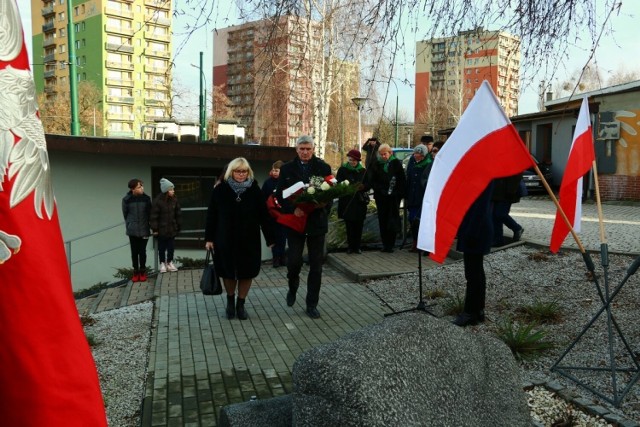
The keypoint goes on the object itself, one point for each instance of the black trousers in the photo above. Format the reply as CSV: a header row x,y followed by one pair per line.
x,y
138,253
475,294
166,248
354,233
315,248
388,219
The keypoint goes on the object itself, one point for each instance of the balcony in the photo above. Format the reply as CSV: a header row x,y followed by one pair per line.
x,y
154,102
154,36
155,70
120,99
48,26
49,42
119,65
158,53
158,4
119,47
157,20
49,58
153,118
127,117
118,30
51,88
49,74
47,10
119,82
153,85
119,13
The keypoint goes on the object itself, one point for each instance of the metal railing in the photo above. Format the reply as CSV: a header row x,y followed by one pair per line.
x,y
67,244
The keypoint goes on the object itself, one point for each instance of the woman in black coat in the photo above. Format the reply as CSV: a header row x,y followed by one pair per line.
x,y
353,209
236,213
389,183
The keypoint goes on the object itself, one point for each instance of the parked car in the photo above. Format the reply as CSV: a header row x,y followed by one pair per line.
x,y
403,154
533,182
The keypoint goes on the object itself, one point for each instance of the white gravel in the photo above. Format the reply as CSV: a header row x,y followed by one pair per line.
x,y
522,275
121,354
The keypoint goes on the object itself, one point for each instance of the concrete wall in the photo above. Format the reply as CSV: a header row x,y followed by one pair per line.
x,y
89,189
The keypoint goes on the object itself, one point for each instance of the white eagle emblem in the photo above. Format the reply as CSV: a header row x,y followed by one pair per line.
x,y
26,161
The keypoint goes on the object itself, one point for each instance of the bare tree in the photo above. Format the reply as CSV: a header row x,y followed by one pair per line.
x,y
55,112
376,32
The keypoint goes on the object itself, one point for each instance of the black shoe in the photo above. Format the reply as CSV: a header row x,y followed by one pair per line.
x,y
276,262
240,311
357,251
313,312
466,319
349,251
231,306
291,298
518,234
387,250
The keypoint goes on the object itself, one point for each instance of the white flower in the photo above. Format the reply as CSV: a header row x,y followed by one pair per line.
x,y
311,190
325,186
345,182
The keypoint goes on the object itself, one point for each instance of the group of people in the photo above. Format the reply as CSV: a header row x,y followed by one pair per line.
x,y
161,218
239,210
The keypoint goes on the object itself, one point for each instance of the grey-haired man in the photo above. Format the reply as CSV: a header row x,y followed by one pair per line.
x,y
303,167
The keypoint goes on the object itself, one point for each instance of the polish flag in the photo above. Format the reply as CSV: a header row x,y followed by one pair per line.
x,y
581,158
47,373
484,146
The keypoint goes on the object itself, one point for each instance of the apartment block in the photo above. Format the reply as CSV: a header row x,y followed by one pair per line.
x,y
121,46
265,69
450,70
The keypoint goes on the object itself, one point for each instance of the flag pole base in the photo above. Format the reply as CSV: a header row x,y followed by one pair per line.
x,y
422,306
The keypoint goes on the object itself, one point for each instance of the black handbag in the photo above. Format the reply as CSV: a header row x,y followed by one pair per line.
x,y
210,281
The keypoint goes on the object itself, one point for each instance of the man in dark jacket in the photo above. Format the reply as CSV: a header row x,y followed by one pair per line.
x,y
505,193
474,241
136,209
302,168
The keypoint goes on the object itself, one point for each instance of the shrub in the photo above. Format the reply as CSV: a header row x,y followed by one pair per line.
x,y
524,341
453,305
541,312
186,262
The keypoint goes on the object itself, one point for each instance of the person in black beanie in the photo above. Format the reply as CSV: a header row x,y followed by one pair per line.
x,y
474,241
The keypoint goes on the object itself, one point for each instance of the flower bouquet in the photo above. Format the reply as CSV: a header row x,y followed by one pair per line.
x,y
309,197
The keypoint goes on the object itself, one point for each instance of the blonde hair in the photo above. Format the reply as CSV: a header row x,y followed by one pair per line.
x,y
384,147
239,162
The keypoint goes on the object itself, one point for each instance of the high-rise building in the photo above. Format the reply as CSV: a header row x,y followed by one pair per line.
x,y
450,70
123,47
265,69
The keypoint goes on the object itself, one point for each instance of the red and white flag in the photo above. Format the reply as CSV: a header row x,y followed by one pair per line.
x,y
47,373
581,158
484,145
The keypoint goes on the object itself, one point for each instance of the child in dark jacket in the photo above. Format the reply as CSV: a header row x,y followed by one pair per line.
x,y
166,221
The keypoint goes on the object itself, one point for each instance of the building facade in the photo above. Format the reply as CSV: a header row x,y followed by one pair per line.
x,y
265,70
123,47
450,70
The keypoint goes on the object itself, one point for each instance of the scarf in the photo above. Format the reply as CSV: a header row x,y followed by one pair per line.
x,y
386,164
239,187
423,163
357,168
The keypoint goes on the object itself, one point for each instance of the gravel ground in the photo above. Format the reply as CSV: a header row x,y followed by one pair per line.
x,y
522,276
121,354
516,277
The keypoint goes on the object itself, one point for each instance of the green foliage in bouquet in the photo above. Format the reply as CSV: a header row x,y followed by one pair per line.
x,y
321,192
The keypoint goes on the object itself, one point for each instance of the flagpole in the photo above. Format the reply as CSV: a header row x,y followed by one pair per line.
x,y
562,214
603,238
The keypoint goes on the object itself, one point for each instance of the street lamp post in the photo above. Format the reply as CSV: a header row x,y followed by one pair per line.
x,y
397,101
94,116
201,105
359,101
